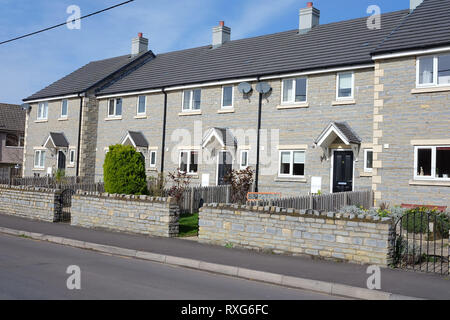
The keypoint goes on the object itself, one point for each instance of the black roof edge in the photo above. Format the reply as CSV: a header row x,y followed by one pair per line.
x,y
247,76
423,47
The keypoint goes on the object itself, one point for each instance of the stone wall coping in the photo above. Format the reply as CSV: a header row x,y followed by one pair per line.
x,y
126,197
300,213
29,188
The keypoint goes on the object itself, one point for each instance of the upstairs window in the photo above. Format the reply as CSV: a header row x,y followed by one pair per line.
x,y
433,71
42,111
14,141
189,162
294,90
432,163
192,100
141,107
115,107
64,109
227,97
345,85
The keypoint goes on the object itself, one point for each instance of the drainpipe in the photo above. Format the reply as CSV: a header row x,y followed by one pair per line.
x,y
163,144
258,143
81,95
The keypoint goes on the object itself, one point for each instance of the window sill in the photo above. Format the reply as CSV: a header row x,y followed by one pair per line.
x,y
434,183
140,117
222,111
41,121
293,106
343,102
291,179
71,166
366,174
38,169
430,89
63,119
12,147
113,118
190,113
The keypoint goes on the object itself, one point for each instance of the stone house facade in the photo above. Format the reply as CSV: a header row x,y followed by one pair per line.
x,y
341,117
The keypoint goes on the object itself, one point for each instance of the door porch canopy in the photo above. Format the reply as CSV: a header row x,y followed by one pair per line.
x,y
341,131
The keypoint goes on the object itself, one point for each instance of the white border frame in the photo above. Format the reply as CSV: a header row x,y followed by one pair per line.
x,y
72,163
114,116
45,103
240,159
367,170
338,76
34,159
291,167
222,107
150,152
137,106
188,165
218,161
67,114
332,168
191,101
293,102
435,83
433,164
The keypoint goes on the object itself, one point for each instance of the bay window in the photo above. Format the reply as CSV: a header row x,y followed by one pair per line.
x,y
294,90
432,162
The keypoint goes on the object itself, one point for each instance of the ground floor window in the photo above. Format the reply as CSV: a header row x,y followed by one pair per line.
x,y
39,159
72,156
432,162
368,160
152,159
244,159
292,163
189,162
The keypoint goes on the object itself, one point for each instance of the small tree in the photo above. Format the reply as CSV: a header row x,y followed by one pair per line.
x,y
179,184
241,183
124,171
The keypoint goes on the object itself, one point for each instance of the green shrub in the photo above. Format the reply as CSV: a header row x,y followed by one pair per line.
x,y
124,171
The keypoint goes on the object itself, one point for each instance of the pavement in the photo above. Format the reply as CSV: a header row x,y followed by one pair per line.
x,y
37,270
342,279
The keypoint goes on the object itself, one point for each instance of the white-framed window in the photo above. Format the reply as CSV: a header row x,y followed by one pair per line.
x,y
345,85
152,159
244,159
72,157
42,112
115,107
368,160
292,163
64,108
433,71
189,161
294,90
432,163
39,159
141,106
227,97
192,100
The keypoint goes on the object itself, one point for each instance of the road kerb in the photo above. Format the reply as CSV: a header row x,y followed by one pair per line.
x,y
273,278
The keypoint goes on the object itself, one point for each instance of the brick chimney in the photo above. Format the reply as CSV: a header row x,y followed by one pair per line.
x,y
221,34
413,4
309,18
139,45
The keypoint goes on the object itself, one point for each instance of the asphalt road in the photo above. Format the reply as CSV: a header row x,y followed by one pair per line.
x,y
37,270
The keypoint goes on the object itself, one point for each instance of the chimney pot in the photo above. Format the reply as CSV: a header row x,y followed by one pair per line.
x,y
140,34
222,23
309,5
139,45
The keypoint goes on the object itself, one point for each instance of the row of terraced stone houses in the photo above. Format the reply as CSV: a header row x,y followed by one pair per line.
x,y
334,107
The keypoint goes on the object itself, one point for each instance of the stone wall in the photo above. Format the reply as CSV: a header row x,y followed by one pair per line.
x,y
346,237
29,202
133,214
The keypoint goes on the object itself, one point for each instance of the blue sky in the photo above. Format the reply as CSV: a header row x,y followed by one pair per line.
x,y
31,64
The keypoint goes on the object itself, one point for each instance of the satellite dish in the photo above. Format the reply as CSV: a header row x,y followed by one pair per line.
x,y
263,87
244,88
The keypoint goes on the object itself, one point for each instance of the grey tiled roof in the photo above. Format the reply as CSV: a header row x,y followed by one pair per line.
x,y
138,138
85,77
348,132
329,45
12,117
427,26
59,139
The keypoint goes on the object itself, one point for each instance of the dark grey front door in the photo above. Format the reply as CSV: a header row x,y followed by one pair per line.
x,y
61,160
343,171
225,167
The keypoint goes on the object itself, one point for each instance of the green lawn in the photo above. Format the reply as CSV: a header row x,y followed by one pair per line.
x,y
188,225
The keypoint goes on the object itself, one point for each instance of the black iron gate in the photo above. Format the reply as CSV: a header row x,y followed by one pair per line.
x,y
422,242
65,202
